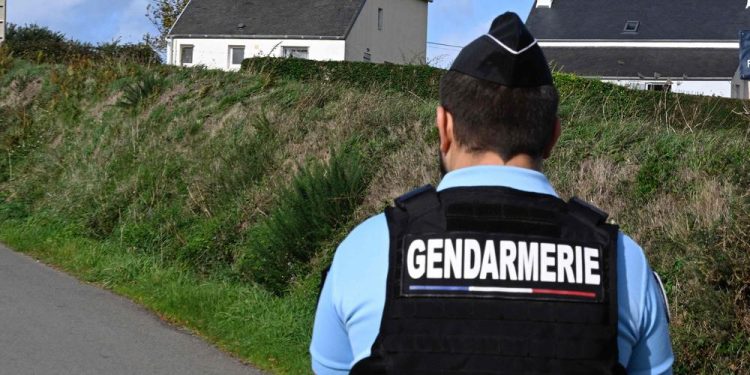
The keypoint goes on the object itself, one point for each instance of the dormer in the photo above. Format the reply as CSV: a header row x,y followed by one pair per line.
x,y
547,3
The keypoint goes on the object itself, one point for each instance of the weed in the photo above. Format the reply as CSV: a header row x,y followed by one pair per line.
x,y
140,91
320,201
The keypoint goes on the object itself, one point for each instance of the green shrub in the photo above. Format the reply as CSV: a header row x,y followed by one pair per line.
x,y
680,111
320,200
139,53
138,92
420,80
37,43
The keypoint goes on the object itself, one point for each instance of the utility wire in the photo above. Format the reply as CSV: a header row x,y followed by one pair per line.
x,y
445,45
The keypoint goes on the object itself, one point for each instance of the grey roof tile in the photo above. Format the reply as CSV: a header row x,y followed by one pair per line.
x,y
645,63
278,18
659,19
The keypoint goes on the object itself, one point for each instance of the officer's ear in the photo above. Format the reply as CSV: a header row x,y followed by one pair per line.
x,y
444,123
553,141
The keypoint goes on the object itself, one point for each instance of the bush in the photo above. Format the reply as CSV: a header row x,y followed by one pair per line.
x,y
420,80
140,53
138,92
320,201
677,110
40,44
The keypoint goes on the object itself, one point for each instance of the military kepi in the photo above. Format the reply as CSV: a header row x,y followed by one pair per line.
x,y
508,55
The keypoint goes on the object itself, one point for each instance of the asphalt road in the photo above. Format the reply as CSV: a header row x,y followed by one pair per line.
x,y
50,323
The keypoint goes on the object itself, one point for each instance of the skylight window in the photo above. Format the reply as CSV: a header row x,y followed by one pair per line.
x,y
631,26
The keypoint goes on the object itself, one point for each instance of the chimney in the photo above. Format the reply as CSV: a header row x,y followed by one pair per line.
x,y
544,3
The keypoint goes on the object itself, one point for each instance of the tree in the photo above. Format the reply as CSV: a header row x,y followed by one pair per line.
x,y
163,14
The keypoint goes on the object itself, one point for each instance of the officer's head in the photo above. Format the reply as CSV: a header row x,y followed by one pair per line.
x,y
498,102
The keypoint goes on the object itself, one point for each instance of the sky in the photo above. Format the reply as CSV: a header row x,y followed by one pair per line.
x,y
452,22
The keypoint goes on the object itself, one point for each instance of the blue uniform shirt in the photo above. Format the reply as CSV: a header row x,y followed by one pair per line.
x,y
351,303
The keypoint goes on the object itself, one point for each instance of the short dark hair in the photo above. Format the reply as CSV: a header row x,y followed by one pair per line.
x,y
506,120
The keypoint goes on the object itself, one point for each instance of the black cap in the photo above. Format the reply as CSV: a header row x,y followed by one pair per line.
x,y
508,55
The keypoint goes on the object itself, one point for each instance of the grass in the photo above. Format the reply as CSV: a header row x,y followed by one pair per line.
x,y
215,199
241,319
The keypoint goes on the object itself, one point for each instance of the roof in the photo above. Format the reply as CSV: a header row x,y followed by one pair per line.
x,y
659,20
324,19
645,63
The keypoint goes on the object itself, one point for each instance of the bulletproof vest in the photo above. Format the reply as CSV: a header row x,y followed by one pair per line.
x,y
492,280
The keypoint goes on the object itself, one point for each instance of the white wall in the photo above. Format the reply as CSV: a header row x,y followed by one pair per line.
x,y
740,87
707,88
3,20
214,53
403,39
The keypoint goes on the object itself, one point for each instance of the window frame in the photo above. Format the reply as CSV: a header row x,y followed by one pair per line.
x,y
183,47
232,48
290,55
659,86
381,17
631,26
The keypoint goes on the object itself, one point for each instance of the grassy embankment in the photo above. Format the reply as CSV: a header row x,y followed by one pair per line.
x,y
216,198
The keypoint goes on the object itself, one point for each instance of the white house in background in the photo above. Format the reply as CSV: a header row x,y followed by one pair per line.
x,y
219,34
3,17
686,46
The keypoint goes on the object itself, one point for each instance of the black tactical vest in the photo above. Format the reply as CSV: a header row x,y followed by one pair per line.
x,y
494,280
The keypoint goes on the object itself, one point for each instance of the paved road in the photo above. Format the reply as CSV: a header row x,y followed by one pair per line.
x,y
50,323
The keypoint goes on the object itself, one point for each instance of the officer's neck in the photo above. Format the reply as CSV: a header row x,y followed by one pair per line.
x,y
472,159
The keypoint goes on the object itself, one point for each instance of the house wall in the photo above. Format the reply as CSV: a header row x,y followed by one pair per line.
x,y
707,88
3,18
214,53
403,39
740,87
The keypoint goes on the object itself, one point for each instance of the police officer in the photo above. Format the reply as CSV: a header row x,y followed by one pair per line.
x,y
492,273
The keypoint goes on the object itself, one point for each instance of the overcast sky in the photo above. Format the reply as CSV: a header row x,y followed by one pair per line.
x,y
453,22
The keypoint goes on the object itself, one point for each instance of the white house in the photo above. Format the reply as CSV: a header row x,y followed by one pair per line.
x,y
3,17
687,46
219,34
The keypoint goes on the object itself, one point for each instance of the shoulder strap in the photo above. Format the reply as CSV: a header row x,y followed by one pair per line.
x,y
419,201
580,208
423,207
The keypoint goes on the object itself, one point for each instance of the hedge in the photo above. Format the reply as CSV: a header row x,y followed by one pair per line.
x,y
424,82
420,80
40,44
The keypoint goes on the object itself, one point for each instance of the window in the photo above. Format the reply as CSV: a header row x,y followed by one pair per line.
x,y
236,55
295,52
659,87
186,55
631,26
380,19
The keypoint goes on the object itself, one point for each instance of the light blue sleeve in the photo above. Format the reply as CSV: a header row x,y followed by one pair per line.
x,y
644,341
652,354
329,349
351,304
